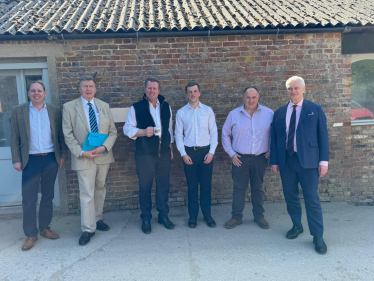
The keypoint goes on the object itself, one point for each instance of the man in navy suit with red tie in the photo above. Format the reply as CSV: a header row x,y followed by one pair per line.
x,y
300,151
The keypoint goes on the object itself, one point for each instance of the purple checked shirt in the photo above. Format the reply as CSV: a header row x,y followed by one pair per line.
x,y
246,134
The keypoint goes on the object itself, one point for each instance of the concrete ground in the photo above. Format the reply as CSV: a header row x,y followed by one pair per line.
x,y
244,253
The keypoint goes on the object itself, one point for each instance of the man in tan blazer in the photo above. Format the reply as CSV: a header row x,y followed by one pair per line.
x,y
80,117
38,149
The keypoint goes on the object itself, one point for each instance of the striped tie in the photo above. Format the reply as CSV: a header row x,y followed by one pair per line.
x,y
92,115
291,131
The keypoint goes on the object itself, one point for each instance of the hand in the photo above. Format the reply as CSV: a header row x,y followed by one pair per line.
x,y
62,161
18,166
90,154
322,170
208,158
275,168
187,159
149,132
267,155
236,161
171,152
98,150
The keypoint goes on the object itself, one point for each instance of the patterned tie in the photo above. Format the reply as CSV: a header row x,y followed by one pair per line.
x,y
92,115
291,131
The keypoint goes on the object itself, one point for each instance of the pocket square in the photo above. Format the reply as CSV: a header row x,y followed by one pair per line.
x,y
311,113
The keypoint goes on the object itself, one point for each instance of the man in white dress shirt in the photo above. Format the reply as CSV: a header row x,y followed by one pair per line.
x,y
197,139
149,123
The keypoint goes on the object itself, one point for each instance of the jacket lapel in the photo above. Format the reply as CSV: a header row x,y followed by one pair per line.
x,y
283,114
51,115
26,116
100,109
80,112
304,111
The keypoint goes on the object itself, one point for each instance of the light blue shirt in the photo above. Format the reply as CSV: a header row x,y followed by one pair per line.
x,y
246,134
40,131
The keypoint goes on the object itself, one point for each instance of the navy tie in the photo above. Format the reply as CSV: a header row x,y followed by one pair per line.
x,y
291,132
92,115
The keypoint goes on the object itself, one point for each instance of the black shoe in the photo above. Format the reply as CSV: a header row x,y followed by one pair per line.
x,y
192,222
146,227
166,222
210,221
320,245
294,232
85,238
100,225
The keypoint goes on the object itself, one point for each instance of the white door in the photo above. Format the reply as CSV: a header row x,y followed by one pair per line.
x,y
13,91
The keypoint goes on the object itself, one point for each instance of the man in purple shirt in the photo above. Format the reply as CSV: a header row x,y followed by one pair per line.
x,y
246,138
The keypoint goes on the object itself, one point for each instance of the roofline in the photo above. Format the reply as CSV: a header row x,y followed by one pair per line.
x,y
206,33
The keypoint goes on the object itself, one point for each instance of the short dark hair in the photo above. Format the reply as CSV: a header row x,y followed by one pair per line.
x,y
86,78
36,82
151,79
251,87
191,84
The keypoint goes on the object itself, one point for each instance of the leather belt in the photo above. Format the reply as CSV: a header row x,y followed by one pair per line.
x,y
40,154
197,147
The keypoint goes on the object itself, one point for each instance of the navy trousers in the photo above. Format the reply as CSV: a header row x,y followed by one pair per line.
x,y
40,170
148,168
291,176
199,173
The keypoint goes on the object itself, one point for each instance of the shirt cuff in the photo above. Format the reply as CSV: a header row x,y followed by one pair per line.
x,y
324,163
80,155
232,153
211,150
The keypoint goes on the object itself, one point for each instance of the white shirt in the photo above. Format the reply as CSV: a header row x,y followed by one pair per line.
x,y
288,117
40,131
199,128
130,129
86,108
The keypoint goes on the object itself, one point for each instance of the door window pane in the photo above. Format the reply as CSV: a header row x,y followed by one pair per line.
x,y
8,100
362,106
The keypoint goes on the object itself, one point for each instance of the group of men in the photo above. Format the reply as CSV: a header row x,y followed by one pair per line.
x,y
294,139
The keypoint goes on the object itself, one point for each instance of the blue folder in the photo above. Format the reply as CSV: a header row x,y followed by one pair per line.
x,y
94,140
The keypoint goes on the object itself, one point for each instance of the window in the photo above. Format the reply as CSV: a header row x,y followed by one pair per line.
x,y
362,105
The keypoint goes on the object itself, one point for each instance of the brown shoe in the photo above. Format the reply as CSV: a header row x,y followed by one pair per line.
x,y
29,243
49,234
232,223
262,223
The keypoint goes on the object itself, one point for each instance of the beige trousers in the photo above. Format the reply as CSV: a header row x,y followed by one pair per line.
x,y
92,194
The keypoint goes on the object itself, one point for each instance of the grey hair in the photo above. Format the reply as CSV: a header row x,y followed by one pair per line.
x,y
86,78
293,78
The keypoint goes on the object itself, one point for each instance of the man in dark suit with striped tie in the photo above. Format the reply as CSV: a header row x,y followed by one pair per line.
x,y
80,117
300,151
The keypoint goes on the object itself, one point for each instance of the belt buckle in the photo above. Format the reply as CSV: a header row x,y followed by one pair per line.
x,y
196,148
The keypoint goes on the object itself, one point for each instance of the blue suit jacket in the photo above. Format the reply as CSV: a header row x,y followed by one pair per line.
x,y
311,136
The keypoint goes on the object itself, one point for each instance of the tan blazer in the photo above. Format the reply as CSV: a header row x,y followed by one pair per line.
x,y
20,133
76,129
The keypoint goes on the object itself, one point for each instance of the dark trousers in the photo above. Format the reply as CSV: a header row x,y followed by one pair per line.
x,y
148,168
39,170
197,173
292,175
253,169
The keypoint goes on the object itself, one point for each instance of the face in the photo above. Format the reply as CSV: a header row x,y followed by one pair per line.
x,y
87,90
152,91
36,93
250,99
193,94
296,91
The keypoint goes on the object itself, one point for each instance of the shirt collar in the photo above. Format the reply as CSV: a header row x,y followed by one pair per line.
x,y
45,104
199,105
84,101
259,107
300,103
157,103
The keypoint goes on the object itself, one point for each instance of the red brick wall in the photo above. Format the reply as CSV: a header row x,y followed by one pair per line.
x,y
223,66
